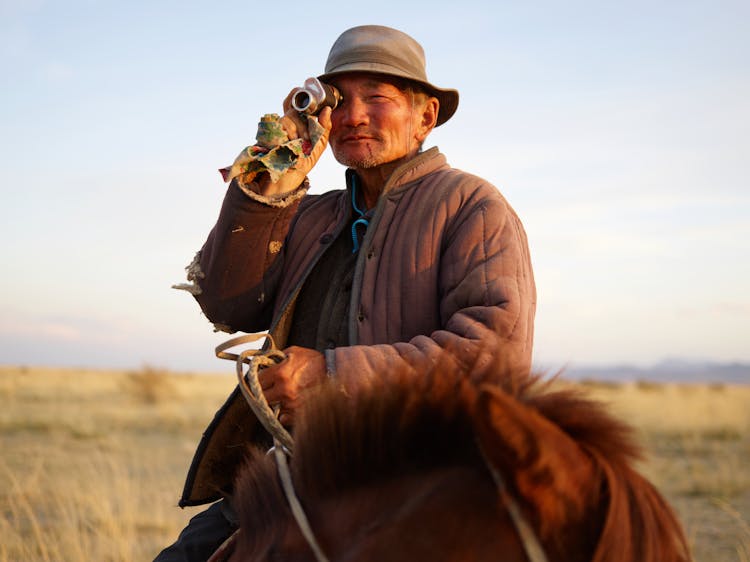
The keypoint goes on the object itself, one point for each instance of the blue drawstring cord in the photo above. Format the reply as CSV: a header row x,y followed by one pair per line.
x,y
362,220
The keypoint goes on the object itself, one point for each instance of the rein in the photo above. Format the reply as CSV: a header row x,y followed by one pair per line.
x,y
283,443
531,546
251,390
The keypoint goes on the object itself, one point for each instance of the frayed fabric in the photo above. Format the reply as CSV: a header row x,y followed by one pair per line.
x,y
194,273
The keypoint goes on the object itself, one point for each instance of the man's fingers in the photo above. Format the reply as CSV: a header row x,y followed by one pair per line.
x,y
265,379
276,385
293,126
286,419
287,412
324,118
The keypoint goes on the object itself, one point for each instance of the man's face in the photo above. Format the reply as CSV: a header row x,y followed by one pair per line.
x,y
375,123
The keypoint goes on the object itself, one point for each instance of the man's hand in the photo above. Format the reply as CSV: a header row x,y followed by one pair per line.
x,y
295,127
285,384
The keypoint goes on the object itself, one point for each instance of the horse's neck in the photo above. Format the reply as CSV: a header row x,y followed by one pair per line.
x,y
442,515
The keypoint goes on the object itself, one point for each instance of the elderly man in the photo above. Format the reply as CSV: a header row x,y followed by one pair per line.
x,y
414,263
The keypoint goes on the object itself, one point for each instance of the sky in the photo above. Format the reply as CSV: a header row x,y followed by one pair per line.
x,y
618,131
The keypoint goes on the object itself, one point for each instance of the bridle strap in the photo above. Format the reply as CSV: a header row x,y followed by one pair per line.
x,y
529,540
255,359
297,511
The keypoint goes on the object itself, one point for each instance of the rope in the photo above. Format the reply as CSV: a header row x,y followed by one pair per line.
x,y
249,385
299,513
283,443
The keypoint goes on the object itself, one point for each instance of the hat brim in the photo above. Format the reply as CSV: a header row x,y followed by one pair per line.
x,y
447,97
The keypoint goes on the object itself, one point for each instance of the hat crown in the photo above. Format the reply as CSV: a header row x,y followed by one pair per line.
x,y
368,45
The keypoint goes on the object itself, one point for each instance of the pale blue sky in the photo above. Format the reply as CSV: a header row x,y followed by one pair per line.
x,y
620,132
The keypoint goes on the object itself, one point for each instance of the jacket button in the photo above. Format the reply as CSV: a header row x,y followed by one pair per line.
x,y
361,315
326,238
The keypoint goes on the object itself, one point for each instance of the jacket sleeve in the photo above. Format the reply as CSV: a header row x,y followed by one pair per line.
x,y
487,306
239,265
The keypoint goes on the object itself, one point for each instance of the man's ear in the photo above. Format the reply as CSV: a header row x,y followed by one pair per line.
x,y
429,118
541,463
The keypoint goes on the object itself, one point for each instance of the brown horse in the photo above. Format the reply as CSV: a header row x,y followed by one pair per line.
x,y
433,467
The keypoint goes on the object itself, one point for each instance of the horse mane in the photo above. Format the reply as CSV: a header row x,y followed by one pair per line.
x,y
345,442
639,525
407,423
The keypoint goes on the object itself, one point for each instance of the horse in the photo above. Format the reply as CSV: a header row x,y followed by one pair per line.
x,y
439,466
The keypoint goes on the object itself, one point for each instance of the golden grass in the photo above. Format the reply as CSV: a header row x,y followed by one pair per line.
x,y
93,462
697,444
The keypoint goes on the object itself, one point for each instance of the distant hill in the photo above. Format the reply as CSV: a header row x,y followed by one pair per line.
x,y
669,370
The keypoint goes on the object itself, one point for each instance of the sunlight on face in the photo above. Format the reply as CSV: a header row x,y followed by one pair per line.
x,y
376,122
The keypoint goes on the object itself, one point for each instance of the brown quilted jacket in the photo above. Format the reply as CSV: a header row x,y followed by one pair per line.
x,y
443,273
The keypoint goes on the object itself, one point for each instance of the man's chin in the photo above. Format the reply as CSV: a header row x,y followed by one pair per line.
x,y
358,162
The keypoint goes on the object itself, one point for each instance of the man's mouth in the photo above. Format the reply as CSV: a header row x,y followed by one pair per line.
x,y
356,135
355,138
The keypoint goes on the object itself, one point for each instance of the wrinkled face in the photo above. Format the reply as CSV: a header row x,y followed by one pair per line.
x,y
376,122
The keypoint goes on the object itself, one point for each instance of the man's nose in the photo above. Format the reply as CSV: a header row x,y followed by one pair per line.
x,y
353,112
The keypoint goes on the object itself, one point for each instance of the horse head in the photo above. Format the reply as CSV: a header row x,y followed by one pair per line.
x,y
437,467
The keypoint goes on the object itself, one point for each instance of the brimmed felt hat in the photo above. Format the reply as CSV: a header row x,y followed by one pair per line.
x,y
384,50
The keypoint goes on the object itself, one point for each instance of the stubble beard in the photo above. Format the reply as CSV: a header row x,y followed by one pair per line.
x,y
363,162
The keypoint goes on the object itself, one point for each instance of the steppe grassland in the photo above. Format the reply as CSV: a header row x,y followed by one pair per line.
x,y
93,462
696,440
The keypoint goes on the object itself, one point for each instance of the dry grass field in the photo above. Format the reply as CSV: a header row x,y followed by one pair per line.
x,y
93,462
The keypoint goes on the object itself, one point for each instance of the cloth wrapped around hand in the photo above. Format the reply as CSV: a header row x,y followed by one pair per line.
x,y
273,151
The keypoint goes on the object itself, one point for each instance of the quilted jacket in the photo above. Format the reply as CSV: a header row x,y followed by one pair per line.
x,y
443,273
